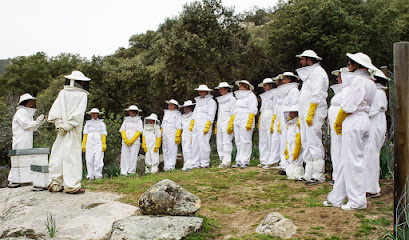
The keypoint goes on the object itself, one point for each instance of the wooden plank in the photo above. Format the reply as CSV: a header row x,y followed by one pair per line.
x,y
401,167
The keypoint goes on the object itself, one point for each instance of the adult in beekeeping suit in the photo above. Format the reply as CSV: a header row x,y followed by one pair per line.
x,y
336,140
313,111
23,125
172,133
288,93
67,113
151,141
201,127
242,122
265,121
376,135
94,144
227,103
187,134
353,124
131,130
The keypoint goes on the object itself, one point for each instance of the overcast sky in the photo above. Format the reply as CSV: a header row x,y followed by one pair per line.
x,y
86,27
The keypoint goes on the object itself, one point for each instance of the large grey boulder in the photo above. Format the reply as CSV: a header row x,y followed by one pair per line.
x,y
77,216
168,198
277,225
155,227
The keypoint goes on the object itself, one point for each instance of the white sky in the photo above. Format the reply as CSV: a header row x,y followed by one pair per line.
x,y
86,27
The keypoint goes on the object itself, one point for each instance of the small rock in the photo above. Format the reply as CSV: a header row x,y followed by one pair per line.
x,y
227,237
277,225
168,198
155,227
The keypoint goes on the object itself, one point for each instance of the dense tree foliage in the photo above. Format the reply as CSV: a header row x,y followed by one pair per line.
x,y
208,43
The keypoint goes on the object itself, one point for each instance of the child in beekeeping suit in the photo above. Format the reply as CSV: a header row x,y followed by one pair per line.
x,y
187,134
295,169
151,141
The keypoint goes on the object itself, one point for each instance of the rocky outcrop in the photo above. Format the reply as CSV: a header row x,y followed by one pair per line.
x,y
277,225
168,198
83,216
4,173
155,227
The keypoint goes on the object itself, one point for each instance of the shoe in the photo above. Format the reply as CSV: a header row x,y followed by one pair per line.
x,y
300,180
260,165
223,166
186,169
312,182
244,166
346,207
331,182
205,167
79,191
373,195
327,203
268,166
282,172
236,165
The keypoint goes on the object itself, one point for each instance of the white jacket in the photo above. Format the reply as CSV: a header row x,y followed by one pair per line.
x,y
23,127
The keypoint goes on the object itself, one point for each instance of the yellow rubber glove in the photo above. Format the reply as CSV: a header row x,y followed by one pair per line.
x,y
338,122
258,123
178,136
230,125
104,142
311,113
123,135
207,127
250,121
145,148
286,152
297,149
157,145
84,141
133,139
298,123
215,129
192,123
279,127
272,123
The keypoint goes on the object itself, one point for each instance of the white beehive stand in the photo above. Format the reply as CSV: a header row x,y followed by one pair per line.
x,y
21,161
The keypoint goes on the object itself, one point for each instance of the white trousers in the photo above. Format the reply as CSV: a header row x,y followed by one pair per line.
x,y
129,157
224,142
200,145
350,182
295,171
94,157
275,147
313,150
151,161
265,137
187,148
372,152
170,148
243,138
65,167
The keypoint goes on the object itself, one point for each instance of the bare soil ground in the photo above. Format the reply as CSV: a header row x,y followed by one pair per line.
x,y
238,199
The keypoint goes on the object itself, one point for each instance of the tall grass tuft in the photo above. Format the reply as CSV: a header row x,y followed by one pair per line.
x,y
50,224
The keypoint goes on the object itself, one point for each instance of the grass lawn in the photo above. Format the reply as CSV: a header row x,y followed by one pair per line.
x,y
234,201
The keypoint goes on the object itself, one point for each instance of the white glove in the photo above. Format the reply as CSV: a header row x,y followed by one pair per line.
x,y
40,118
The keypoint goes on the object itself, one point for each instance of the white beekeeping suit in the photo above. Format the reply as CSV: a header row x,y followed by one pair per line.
x,y
187,134
131,130
333,110
276,133
94,144
295,168
313,111
224,140
265,121
243,123
201,125
23,125
376,138
289,93
151,141
354,125
67,113
171,138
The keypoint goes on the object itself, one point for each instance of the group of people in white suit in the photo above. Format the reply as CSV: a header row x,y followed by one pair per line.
x,y
289,124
